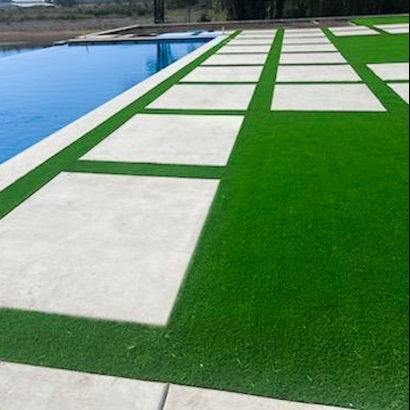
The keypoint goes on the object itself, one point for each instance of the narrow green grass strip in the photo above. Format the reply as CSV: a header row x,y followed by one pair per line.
x,y
161,170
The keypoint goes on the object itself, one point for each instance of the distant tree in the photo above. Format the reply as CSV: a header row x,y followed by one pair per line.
x,y
66,3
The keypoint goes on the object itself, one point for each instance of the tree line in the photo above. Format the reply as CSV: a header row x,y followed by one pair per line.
x,y
277,9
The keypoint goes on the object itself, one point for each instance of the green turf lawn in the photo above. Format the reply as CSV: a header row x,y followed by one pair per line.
x,y
298,289
381,20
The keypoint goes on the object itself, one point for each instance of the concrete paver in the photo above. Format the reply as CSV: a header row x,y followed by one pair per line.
x,y
326,98
308,48
391,72
189,398
354,31
237,59
317,74
103,246
402,90
206,97
313,58
38,388
249,49
171,139
222,74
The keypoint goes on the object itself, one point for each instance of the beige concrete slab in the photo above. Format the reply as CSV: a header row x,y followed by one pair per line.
x,y
402,90
171,139
206,97
39,388
222,74
299,35
326,98
317,74
394,28
258,32
308,48
304,31
236,59
189,398
103,246
308,40
354,31
312,58
398,31
245,41
392,71
249,49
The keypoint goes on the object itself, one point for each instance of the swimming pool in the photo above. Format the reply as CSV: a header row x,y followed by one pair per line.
x,y
45,90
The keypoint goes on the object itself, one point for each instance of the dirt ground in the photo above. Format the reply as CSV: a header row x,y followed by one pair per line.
x,y
43,33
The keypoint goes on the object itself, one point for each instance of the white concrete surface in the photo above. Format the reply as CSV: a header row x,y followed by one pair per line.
x,y
398,31
236,59
354,31
224,74
246,41
249,49
316,34
309,40
36,388
190,398
20,165
402,90
317,74
103,246
271,33
312,58
308,48
304,31
391,72
206,97
326,98
171,139
394,28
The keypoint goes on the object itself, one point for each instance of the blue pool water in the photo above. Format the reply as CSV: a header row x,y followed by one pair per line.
x,y
45,90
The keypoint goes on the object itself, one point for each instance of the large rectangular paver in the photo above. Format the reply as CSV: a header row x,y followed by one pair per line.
x,y
39,388
308,48
312,34
190,398
326,98
354,31
103,246
206,97
394,28
392,71
246,41
171,139
249,49
312,58
237,59
222,74
402,90
317,74
307,40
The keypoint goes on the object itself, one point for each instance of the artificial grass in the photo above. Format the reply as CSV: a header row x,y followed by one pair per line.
x,y
298,289
374,21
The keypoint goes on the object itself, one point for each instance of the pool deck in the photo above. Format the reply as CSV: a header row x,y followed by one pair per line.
x,y
132,185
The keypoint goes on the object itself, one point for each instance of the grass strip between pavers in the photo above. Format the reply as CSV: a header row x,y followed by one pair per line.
x,y
298,288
